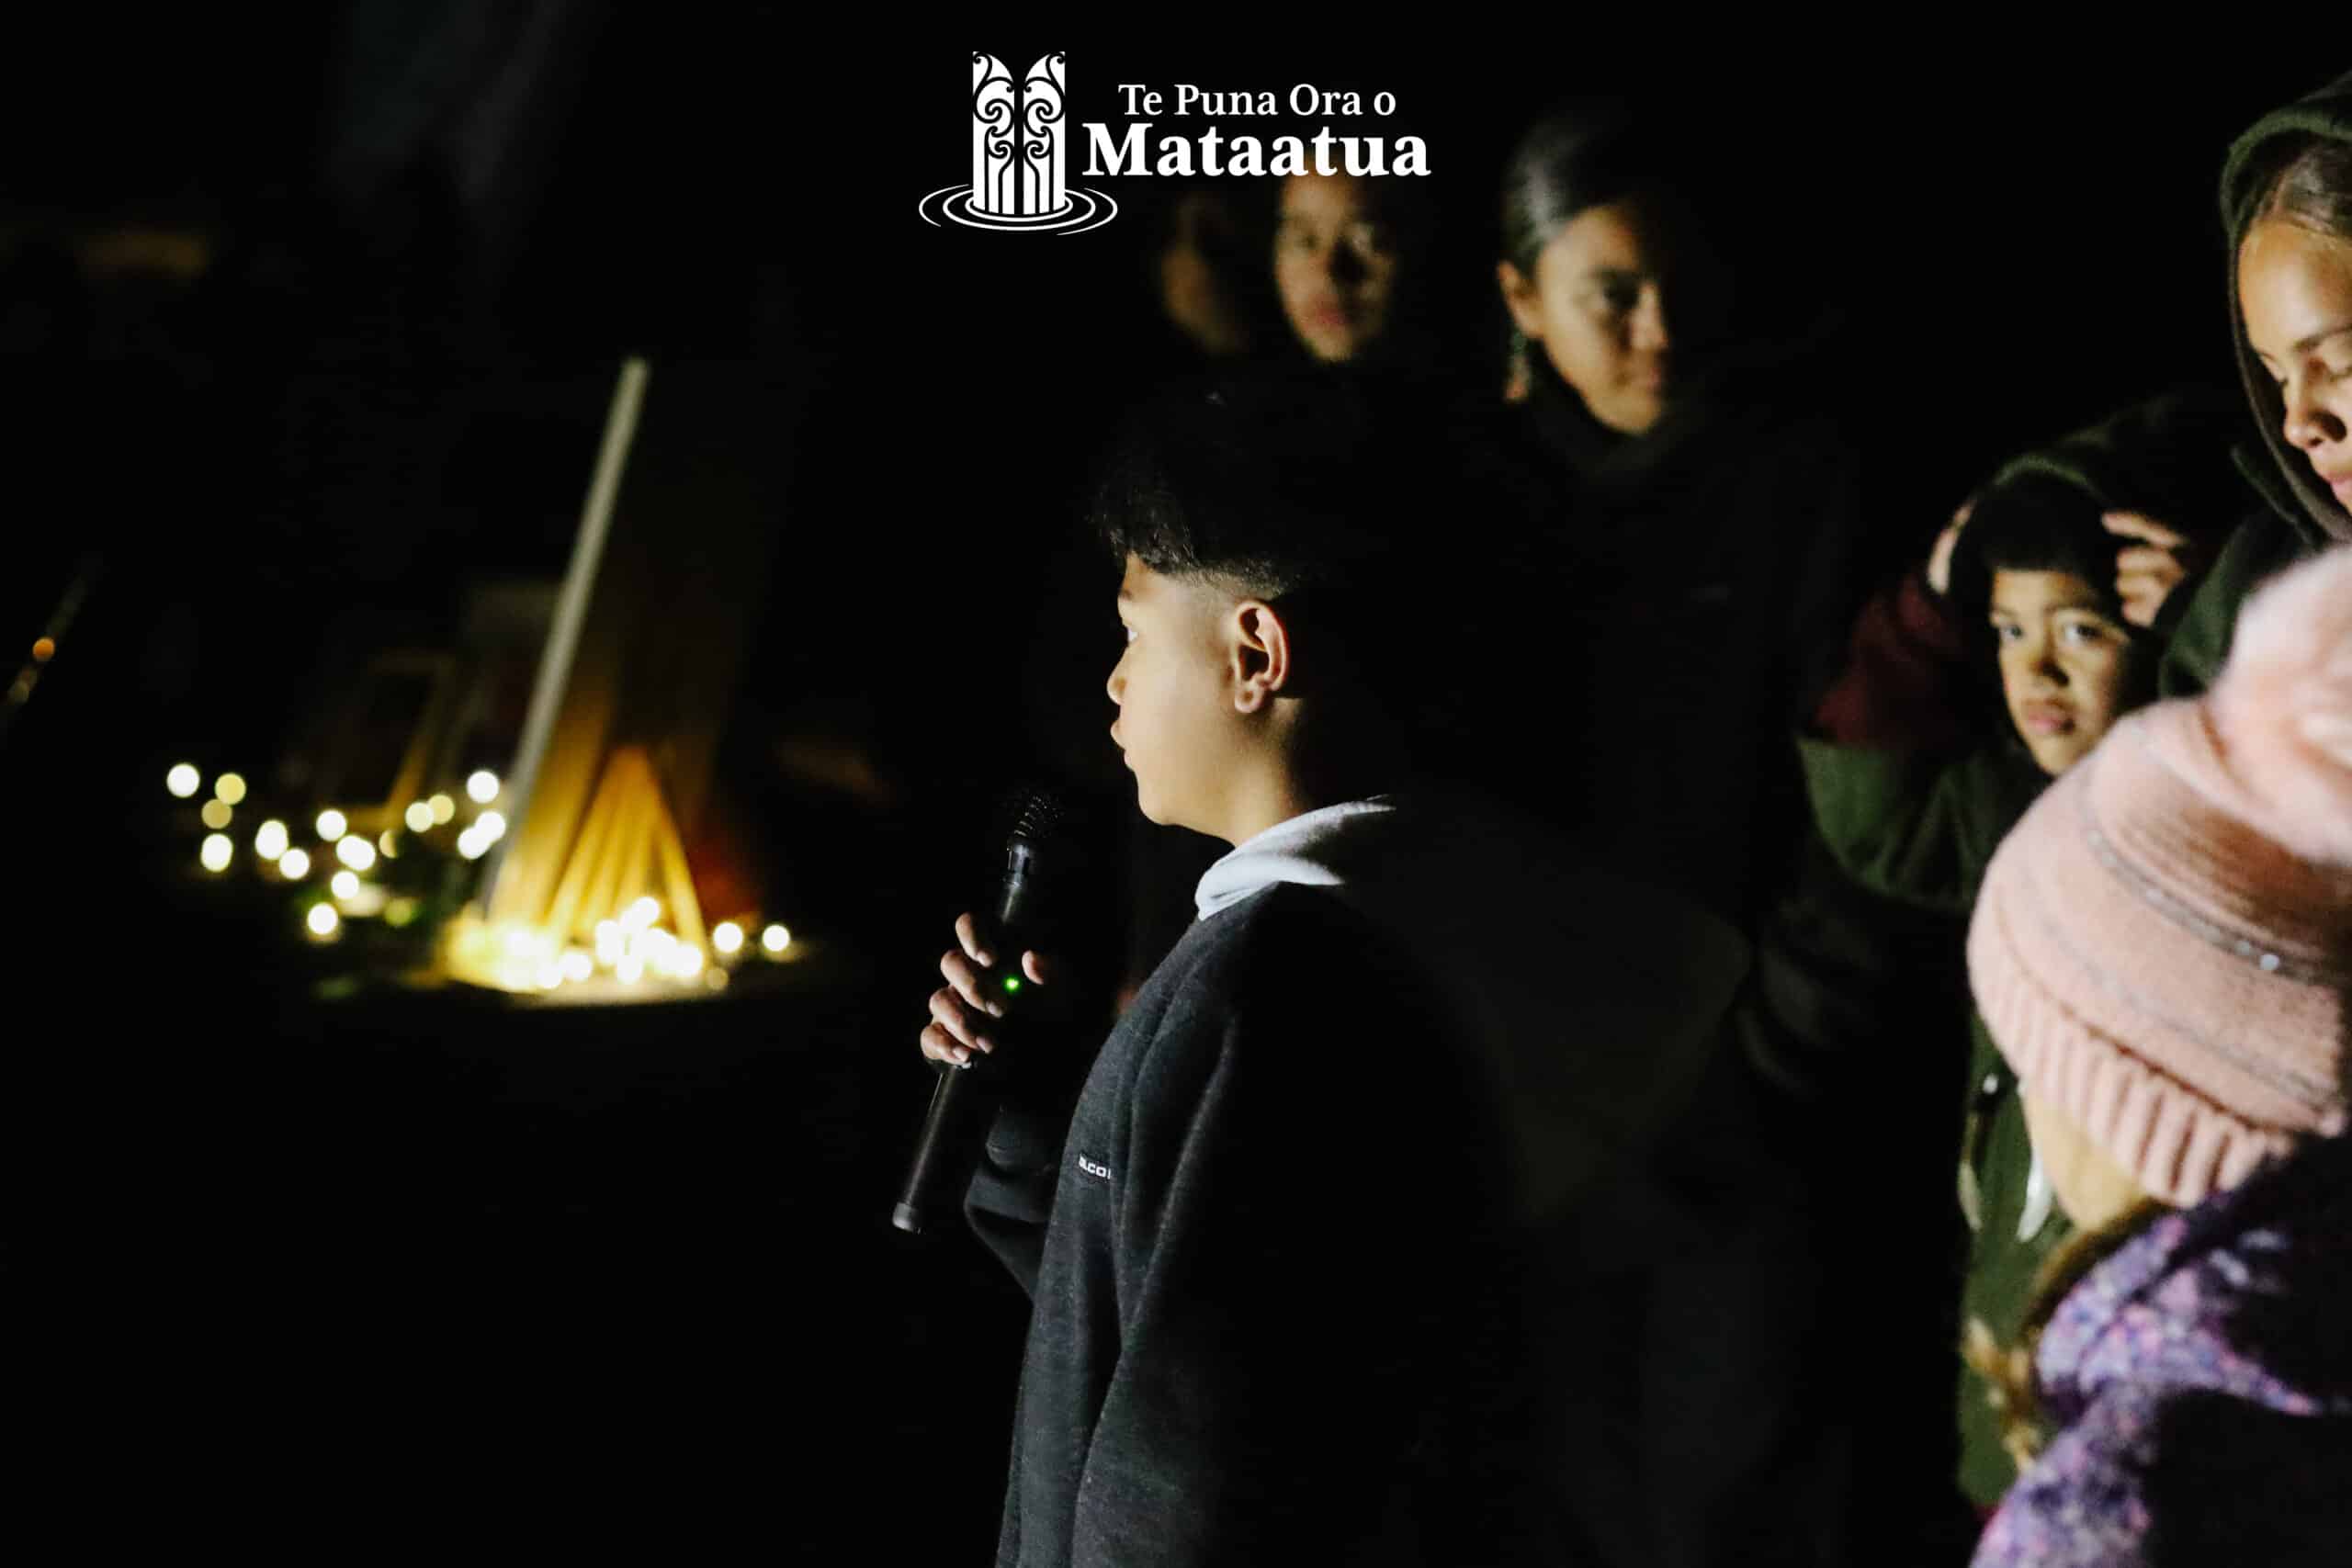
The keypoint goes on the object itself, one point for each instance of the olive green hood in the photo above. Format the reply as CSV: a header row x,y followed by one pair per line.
x,y
2167,456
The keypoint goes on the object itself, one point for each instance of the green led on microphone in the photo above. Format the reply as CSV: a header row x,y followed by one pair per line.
x,y
1012,984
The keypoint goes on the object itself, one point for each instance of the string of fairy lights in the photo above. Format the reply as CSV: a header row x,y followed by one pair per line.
x,y
632,949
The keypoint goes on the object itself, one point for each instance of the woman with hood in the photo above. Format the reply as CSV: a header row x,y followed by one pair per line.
x,y
2287,206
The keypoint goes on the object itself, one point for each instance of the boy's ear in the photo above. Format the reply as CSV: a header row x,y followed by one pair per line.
x,y
1259,654
1518,297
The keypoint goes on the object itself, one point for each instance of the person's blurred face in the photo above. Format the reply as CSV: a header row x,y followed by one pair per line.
x,y
1598,304
1196,296
2066,667
1176,725
1335,264
2295,289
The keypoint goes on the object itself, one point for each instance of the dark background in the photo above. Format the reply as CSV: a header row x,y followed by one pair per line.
x,y
438,1270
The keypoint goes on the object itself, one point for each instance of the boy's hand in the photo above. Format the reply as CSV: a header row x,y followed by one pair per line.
x,y
1939,558
2145,574
959,1008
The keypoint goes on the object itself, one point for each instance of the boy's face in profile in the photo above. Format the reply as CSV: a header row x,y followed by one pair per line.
x,y
1177,724
2065,666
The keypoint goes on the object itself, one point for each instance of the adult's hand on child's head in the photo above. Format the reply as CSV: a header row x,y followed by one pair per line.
x,y
2147,572
1939,558
957,1007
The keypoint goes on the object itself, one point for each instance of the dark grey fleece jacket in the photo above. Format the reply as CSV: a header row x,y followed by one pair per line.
x,y
1281,1313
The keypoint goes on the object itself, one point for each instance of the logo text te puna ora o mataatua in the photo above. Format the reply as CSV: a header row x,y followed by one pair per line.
x,y
1019,130
1137,151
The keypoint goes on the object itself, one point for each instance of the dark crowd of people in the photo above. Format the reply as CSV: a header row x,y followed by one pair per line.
x,y
1698,1050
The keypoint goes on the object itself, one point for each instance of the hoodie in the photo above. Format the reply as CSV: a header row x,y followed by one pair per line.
x,y
2300,516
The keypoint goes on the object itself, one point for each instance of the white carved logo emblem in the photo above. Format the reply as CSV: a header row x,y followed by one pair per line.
x,y
1018,158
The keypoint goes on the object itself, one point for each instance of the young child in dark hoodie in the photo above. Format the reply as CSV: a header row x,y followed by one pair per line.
x,y
1303,1259
2162,951
1911,798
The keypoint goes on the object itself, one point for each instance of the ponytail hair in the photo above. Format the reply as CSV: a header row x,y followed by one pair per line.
x,y
2014,1393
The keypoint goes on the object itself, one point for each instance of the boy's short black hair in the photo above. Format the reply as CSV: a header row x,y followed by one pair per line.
x,y
1272,481
2037,522
1339,494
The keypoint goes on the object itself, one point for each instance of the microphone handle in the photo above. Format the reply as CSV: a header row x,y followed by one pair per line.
x,y
948,1146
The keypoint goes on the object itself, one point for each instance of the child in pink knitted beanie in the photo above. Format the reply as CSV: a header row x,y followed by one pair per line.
x,y
2163,950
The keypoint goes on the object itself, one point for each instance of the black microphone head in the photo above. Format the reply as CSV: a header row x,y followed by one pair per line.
x,y
1039,816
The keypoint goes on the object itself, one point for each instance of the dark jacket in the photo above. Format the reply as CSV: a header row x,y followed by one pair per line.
x,y
2200,1382
1280,1314
1704,576
1697,588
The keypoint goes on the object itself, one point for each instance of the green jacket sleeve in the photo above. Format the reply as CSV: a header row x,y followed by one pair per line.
x,y
1910,827
2261,546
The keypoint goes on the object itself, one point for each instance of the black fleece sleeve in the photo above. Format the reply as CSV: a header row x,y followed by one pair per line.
x,y
1317,1312
1012,1193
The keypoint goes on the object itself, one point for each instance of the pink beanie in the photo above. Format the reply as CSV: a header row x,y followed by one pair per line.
x,y
2162,946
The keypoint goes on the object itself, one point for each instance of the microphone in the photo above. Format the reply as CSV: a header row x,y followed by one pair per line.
x,y
963,1098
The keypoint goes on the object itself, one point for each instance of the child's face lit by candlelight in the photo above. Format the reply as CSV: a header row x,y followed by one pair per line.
x,y
2065,666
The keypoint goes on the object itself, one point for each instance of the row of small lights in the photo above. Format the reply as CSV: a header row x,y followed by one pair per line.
x,y
630,949
273,842
625,946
